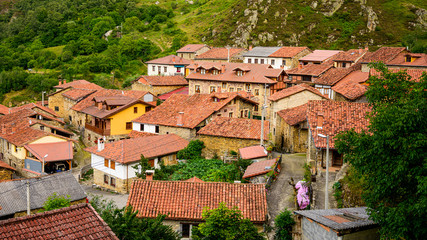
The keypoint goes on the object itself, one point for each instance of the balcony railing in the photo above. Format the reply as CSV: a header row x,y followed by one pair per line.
x,y
100,131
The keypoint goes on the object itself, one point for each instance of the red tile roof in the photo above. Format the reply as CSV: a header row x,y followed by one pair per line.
x,y
293,90
5,165
34,106
190,48
63,151
352,55
4,110
415,74
288,52
186,200
259,168
219,54
163,80
192,109
183,91
195,179
81,84
383,54
235,128
103,113
337,117
350,86
334,75
75,222
252,152
319,55
170,60
295,115
136,134
254,73
312,69
400,60
130,150
77,94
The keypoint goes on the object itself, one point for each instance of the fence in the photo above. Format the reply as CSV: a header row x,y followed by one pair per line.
x,y
275,172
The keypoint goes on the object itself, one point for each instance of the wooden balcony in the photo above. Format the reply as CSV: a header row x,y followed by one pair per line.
x,y
97,130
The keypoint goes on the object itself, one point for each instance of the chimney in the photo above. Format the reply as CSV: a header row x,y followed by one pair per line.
x,y
222,68
101,144
149,174
13,129
3,129
99,105
65,81
60,82
173,59
360,50
179,121
250,48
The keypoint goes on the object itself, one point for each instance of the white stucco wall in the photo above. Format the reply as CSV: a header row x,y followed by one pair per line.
x,y
97,162
171,70
150,128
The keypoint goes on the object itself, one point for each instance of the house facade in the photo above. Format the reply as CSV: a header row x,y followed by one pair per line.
x,y
113,162
222,55
292,129
191,51
158,85
167,66
278,57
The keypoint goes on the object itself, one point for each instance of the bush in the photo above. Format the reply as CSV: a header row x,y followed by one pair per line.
x,y
56,201
284,222
192,151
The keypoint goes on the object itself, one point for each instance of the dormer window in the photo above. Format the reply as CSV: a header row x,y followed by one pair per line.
x,y
239,73
215,99
212,89
408,59
202,71
247,86
215,72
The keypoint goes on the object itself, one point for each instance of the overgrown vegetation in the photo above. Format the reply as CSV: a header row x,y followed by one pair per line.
x,y
56,201
283,225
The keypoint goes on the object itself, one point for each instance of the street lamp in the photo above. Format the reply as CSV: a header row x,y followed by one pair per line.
x,y
327,169
45,156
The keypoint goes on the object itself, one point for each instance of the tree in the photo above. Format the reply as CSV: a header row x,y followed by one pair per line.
x,y
141,167
56,201
284,222
392,154
192,151
225,223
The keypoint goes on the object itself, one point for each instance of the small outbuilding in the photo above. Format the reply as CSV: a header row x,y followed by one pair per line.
x,y
256,172
255,153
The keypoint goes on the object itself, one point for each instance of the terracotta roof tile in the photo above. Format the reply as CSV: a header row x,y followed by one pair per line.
x,y
77,94
319,55
288,52
254,73
252,152
312,69
63,151
334,75
351,85
34,106
415,74
259,168
195,179
192,109
352,55
219,54
5,165
295,115
293,90
81,84
235,128
183,91
181,200
400,60
75,222
103,113
130,150
190,48
383,54
163,80
4,110
170,60
337,117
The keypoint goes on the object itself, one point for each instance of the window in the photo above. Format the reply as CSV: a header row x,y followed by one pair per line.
x,y
154,68
408,59
231,89
165,69
256,108
256,60
274,131
135,109
249,60
215,72
212,89
178,69
42,128
239,89
284,62
202,71
306,78
239,73
273,62
128,125
290,77
247,86
142,127
106,178
256,90
113,165
159,68
157,129
230,114
344,64
224,86
88,137
262,61
56,108
185,230
234,101
112,181
70,118
147,109
197,88
246,113
106,163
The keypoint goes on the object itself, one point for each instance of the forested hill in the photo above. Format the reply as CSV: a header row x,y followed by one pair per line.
x,y
107,41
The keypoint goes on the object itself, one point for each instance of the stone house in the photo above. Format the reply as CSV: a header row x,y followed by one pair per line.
x,y
351,88
158,85
344,223
256,80
256,172
167,66
407,60
191,51
383,54
184,115
79,221
183,202
288,98
222,55
318,56
6,171
14,204
330,118
292,128
113,162
25,147
278,57
348,58
224,134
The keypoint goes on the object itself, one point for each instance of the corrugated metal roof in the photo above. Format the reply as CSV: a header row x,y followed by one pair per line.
x,y
13,194
261,51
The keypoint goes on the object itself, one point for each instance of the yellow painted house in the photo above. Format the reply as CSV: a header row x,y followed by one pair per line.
x,y
111,117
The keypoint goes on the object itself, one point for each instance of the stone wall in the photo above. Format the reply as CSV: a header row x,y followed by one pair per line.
x,y
186,133
222,145
57,100
34,211
155,90
295,137
122,185
89,137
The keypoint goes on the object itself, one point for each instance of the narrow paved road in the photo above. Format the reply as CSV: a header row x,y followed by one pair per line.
x,y
119,199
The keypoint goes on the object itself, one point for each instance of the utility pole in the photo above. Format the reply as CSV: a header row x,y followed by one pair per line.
x,y
327,173
264,106
43,98
45,156
28,198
